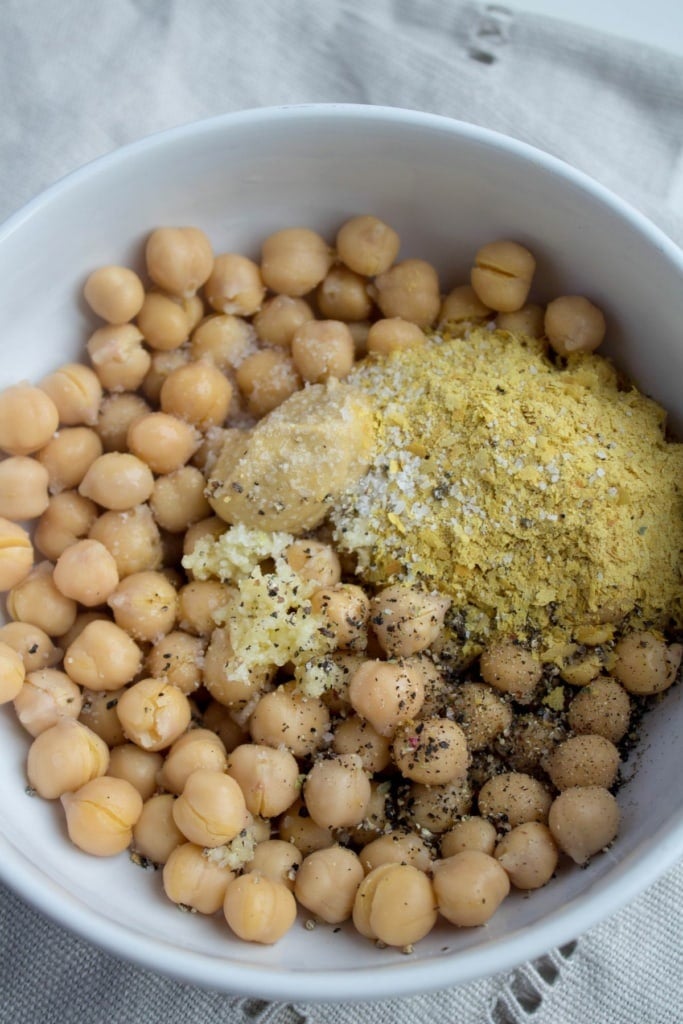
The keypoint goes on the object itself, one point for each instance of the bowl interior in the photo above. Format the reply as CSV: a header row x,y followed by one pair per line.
x,y
446,188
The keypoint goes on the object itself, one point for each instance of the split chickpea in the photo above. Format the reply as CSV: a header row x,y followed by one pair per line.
x,y
211,809
101,814
153,714
103,657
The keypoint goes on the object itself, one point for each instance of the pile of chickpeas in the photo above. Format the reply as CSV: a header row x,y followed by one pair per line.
x,y
404,792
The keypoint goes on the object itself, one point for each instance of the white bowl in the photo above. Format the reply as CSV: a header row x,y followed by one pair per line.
x,y
447,187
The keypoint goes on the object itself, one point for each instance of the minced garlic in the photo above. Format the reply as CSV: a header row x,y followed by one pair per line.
x,y
270,620
538,497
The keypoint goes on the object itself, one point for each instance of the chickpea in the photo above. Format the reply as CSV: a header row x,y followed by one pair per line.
x,y
46,696
277,860
86,572
117,412
164,324
153,714
224,340
117,481
67,457
395,903
367,245
285,718
32,644
586,760
410,289
162,366
345,609
28,419
225,677
178,500
258,909
583,821
279,318
323,349
573,324
394,334
164,442
298,828
327,881
337,791
432,752
603,708
67,518
195,749
268,778
266,378
132,538
514,798
386,694
23,488
217,718
101,814
65,757
294,261
179,260
155,834
197,393
235,286
12,673
145,604
200,603
469,887
195,880
396,848
36,599
16,554
343,295
315,561
528,320
76,392
502,275
507,667
178,659
114,293
356,736
528,854
406,620
211,809
139,767
462,308
119,357
103,657
482,713
645,664
471,833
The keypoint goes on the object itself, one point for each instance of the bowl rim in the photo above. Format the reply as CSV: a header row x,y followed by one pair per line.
x,y
657,855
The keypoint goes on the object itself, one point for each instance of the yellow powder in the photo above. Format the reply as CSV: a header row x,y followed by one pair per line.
x,y
540,498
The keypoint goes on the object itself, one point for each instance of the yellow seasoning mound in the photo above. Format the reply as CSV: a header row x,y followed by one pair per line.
x,y
539,497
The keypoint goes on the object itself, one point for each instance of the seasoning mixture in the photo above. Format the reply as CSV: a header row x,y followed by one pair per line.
x,y
540,499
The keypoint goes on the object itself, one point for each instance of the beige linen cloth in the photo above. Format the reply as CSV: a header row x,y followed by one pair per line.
x,y
79,78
